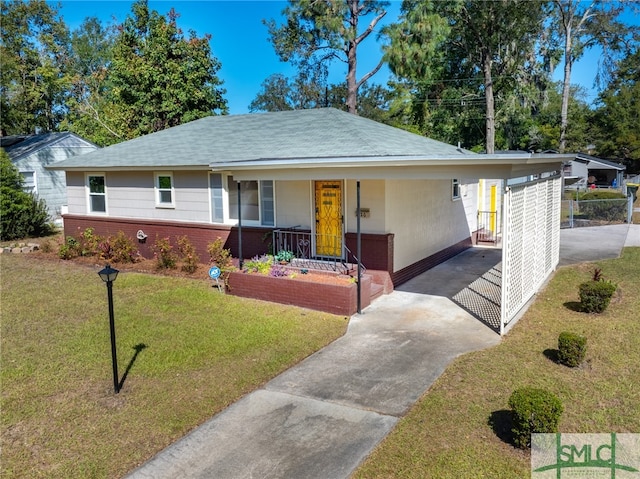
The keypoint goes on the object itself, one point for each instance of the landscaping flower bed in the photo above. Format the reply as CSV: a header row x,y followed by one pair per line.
x,y
321,291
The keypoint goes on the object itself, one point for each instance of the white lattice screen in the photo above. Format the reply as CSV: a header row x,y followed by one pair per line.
x,y
531,242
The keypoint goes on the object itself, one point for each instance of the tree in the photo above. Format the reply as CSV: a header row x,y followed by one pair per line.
x,y
278,93
317,33
158,77
616,117
91,53
34,52
579,26
491,41
22,214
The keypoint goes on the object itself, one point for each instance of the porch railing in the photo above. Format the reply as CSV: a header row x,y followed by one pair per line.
x,y
488,227
330,251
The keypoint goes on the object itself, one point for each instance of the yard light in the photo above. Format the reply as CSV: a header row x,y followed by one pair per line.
x,y
109,275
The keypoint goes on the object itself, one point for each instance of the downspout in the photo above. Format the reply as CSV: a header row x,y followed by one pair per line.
x,y
240,226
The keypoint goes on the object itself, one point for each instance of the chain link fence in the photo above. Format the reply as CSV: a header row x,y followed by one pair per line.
x,y
578,213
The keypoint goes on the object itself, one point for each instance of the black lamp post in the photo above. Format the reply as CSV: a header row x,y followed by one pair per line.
x,y
109,275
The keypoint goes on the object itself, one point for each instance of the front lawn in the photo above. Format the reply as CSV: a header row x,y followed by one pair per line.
x,y
187,350
460,427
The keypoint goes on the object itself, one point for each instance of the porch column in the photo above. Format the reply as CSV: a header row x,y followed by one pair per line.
x,y
359,247
240,224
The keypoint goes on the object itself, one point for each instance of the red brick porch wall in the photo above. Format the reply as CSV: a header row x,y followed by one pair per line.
x,y
331,298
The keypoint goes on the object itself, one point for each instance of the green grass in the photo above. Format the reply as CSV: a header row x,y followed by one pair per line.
x,y
460,427
192,351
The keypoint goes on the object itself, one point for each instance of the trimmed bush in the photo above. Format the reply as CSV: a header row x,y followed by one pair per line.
x,y
595,296
123,248
188,253
571,348
166,258
533,411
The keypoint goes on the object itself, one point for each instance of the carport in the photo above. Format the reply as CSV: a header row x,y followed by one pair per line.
x,y
530,218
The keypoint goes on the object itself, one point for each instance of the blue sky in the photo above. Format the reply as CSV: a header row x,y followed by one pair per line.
x,y
240,40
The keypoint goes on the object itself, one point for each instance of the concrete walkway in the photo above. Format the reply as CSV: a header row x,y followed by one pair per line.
x,y
322,417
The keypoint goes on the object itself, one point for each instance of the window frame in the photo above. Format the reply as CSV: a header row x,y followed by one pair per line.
x,y
91,194
157,190
223,196
455,189
29,187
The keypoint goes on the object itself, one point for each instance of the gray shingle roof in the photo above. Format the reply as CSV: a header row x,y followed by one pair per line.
x,y
19,146
296,135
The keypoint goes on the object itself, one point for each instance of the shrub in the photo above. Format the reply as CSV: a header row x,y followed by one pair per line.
x,y
189,257
533,411
219,255
163,251
69,249
604,205
571,348
259,264
123,248
90,243
22,214
596,294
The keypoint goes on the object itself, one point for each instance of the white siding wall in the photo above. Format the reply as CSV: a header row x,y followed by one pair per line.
x,y
372,196
293,203
50,184
424,219
131,195
469,197
76,193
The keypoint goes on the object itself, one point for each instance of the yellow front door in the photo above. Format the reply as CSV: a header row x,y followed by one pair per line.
x,y
329,218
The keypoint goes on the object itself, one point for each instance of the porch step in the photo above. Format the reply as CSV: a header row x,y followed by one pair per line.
x,y
377,290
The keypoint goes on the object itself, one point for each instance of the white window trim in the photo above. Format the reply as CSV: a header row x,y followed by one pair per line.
x,y
455,182
33,190
157,190
226,204
88,190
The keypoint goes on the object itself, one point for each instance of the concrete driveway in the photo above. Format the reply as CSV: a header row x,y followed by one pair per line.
x,y
322,417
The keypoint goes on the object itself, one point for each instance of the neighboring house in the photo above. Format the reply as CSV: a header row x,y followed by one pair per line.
x,y
31,154
585,170
343,182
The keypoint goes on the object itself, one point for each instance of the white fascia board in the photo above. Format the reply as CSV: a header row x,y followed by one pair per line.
x,y
386,161
130,168
473,167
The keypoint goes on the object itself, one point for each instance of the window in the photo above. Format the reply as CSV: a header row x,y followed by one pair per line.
x,y
248,199
29,178
164,190
256,199
97,193
455,189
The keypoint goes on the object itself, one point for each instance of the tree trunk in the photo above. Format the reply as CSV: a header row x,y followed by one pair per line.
x,y
352,84
489,102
